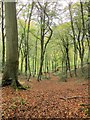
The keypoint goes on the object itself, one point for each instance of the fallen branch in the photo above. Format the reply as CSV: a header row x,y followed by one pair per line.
x,y
74,97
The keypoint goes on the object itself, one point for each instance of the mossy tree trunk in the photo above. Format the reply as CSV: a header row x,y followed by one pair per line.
x,y
10,75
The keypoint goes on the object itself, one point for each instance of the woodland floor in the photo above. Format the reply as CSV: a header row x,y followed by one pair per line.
x,y
50,98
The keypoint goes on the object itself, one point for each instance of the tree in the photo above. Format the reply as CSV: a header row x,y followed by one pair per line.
x,y
74,40
10,75
45,30
78,17
89,40
67,58
27,39
81,32
3,37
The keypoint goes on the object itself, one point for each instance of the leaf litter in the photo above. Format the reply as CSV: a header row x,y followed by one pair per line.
x,y
46,99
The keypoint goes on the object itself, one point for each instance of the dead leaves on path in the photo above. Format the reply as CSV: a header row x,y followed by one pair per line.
x,y
47,99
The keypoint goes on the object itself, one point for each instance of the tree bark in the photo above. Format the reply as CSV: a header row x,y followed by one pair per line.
x,y
27,39
3,38
89,38
45,28
35,58
74,40
10,76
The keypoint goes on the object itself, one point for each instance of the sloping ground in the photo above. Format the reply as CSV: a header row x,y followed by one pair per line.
x,y
46,99
85,71
80,75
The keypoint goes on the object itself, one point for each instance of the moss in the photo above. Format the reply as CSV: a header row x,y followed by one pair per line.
x,y
13,82
16,85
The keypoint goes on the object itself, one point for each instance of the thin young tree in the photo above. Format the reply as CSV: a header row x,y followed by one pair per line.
x,y
27,39
74,40
3,37
89,39
45,29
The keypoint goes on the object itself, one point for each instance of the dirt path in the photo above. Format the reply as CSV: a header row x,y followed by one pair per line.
x,y
47,98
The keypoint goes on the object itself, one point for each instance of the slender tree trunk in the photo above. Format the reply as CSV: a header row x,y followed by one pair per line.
x,y
41,65
29,68
26,59
83,35
88,61
55,66
42,44
45,62
36,58
68,61
52,65
3,40
66,68
33,66
74,39
82,69
27,46
45,28
47,67
35,71
22,60
89,57
62,67
75,61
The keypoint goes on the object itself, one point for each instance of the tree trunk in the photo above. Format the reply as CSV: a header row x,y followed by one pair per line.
x,y
52,65
29,68
55,66
74,40
75,61
82,69
45,62
68,61
42,20
89,40
3,39
26,61
41,66
22,60
62,67
88,61
35,57
33,66
10,76
27,39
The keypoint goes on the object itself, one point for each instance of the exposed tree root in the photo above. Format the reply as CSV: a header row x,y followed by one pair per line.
x,y
14,83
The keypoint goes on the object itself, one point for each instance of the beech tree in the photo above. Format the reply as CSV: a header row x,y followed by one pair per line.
x,y
45,29
10,75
